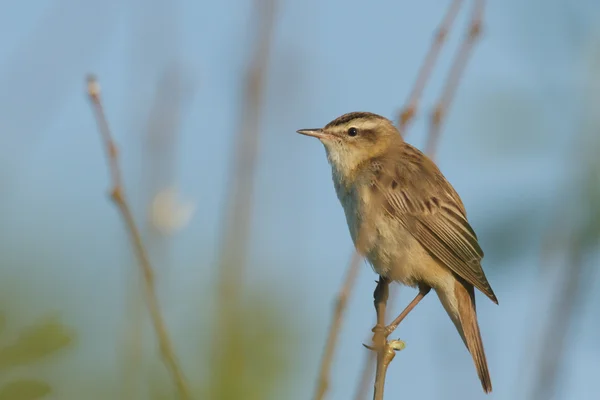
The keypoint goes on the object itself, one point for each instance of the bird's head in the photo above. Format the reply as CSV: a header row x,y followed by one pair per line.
x,y
353,139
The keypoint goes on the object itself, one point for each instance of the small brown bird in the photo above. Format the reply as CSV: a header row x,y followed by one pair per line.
x,y
412,224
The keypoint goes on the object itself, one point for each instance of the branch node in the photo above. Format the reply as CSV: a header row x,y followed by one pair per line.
x,y
389,353
437,115
93,88
441,35
427,66
118,196
475,30
113,150
408,114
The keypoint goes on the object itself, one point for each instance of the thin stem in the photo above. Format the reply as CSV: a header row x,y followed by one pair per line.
x,y
119,198
567,297
412,103
380,297
340,307
371,358
241,187
240,194
336,324
454,75
366,376
384,358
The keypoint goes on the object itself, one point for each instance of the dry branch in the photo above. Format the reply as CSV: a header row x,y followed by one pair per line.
x,y
240,193
118,197
453,79
241,187
412,104
567,298
336,324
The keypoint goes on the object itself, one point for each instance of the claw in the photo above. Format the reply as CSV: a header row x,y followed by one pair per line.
x,y
369,347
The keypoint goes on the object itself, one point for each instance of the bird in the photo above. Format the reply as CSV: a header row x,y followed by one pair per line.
x,y
408,221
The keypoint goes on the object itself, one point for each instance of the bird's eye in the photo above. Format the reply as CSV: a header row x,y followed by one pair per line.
x,y
352,132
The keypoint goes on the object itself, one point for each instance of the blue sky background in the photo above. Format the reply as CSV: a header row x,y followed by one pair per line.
x,y
511,146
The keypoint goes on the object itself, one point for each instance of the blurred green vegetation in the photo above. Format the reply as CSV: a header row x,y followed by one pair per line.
x,y
32,345
256,360
24,389
257,351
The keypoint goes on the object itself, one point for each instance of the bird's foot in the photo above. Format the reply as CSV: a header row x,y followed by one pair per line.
x,y
383,331
379,339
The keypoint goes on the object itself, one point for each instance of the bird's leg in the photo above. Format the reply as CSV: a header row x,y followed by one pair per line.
x,y
380,298
423,290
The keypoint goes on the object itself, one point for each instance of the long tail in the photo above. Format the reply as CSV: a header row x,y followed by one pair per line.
x,y
465,295
460,306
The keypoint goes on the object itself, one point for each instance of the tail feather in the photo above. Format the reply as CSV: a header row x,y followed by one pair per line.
x,y
469,330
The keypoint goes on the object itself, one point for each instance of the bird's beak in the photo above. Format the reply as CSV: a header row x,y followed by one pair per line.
x,y
318,133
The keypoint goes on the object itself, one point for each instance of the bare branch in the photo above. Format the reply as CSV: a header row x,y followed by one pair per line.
x,y
369,366
365,377
412,103
336,324
566,300
453,79
340,307
119,198
239,196
384,358
241,187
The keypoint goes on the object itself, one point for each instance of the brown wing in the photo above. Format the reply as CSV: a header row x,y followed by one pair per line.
x,y
417,194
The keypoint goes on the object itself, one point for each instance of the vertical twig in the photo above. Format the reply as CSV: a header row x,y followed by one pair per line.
x,y
336,324
365,377
338,313
384,358
119,198
151,51
239,196
412,103
241,187
453,79
575,275
159,153
568,297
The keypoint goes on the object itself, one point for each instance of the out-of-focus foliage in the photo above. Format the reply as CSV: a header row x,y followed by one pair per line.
x,y
255,361
31,346
36,343
24,389
258,351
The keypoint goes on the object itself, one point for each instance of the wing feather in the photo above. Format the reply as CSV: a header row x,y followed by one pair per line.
x,y
430,209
